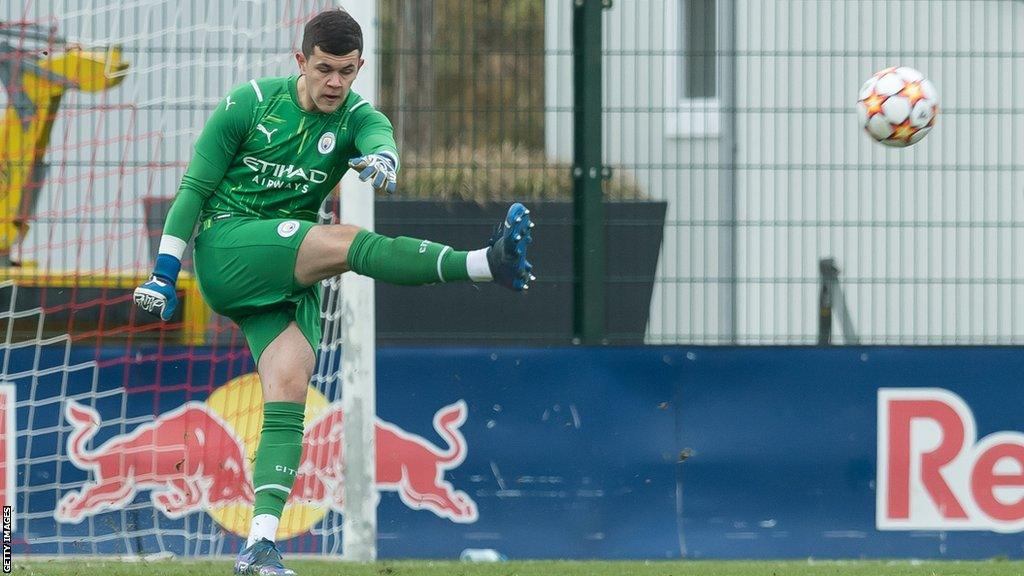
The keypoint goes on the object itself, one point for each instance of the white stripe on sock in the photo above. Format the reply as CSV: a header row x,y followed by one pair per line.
x,y
440,257
284,489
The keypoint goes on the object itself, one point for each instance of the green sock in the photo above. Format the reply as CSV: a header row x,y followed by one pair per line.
x,y
405,261
278,456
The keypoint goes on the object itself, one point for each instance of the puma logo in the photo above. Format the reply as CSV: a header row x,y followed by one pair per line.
x,y
267,133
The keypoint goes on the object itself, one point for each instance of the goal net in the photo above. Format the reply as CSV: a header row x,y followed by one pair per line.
x,y
123,435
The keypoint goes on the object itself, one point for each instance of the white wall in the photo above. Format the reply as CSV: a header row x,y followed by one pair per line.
x,y
927,237
635,140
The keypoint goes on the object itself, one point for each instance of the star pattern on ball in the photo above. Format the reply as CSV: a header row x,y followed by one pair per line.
x,y
903,131
874,104
912,92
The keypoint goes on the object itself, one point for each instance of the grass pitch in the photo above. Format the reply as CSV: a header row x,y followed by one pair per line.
x,y
64,567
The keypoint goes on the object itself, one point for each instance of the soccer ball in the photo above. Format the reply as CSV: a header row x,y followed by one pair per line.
x,y
897,106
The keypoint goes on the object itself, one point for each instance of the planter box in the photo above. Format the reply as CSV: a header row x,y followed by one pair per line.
x,y
479,314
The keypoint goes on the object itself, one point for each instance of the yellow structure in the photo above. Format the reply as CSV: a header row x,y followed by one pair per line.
x,y
195,313
35,89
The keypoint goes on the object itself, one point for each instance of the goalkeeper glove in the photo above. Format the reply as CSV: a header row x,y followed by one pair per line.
x,y
157,296
381,169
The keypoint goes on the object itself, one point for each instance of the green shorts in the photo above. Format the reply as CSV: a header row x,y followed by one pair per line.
x,y
246,271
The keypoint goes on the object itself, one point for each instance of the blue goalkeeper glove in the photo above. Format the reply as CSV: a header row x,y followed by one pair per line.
x,y
380,169
157,296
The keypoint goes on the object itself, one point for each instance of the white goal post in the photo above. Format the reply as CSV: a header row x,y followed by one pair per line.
x,y
358,365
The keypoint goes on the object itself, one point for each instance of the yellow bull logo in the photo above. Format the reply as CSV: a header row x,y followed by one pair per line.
x,y
35,81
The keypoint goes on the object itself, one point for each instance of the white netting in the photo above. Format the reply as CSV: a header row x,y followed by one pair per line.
x,y
112,149
93,380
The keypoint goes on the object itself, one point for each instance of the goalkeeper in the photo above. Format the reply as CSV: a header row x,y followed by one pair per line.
x,y
269,155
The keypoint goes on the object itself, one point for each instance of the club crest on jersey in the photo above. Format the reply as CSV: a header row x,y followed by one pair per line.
x,y
288,228
326,143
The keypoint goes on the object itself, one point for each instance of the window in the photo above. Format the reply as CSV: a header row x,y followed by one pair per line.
x,y
697,23
691,73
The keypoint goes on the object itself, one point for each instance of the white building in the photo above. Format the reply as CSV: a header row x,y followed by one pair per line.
x,y
929,238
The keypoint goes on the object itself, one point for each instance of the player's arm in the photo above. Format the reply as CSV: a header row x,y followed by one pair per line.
x,y
214,150
375,140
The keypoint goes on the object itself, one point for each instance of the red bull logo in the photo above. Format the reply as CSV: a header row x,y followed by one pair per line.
x,y
406,463
198,458
189,458
933,473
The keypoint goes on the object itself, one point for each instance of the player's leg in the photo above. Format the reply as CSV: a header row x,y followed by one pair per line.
x,y
285,367
245,269
333,249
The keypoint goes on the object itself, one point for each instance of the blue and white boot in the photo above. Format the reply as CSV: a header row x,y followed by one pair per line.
x,y
261,559
506,255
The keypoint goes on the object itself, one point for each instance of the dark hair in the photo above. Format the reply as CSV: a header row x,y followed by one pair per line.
x,y
334,31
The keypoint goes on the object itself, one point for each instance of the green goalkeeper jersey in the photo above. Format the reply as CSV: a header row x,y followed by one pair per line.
x,y
261,155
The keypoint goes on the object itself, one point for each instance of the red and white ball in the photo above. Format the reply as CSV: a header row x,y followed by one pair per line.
x,y
897,106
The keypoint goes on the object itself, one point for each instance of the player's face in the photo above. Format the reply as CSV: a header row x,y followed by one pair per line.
x,y
329,77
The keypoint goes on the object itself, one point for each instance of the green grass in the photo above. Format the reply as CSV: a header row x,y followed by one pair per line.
x,y
536,568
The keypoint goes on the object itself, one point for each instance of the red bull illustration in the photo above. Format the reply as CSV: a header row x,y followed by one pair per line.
x,y
198,456
406,463
933,473
188,457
